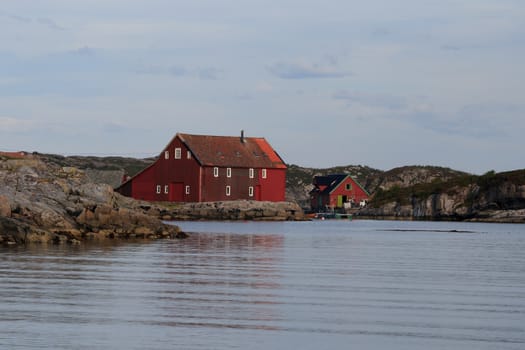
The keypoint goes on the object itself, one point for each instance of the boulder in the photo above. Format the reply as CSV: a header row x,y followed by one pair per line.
x,y
5,206
46,203
236,210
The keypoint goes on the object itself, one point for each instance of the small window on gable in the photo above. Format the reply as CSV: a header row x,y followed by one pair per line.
x,y
166,189
216,172
251,173
178,153
187,190
228,190
250,191
159,188
166,154
188,155
264,173
349,187
228,172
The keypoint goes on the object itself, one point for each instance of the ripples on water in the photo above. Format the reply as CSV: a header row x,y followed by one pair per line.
x,y
310,285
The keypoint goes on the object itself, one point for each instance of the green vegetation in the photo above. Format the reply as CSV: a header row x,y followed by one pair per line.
x,y
404,195
477,184
130,166
297,176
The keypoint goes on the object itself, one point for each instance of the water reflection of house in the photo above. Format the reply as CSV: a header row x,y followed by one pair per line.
x,y
339,191
241,242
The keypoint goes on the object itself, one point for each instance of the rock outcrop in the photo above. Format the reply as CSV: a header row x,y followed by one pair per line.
x,y
491,197
234,210
42,202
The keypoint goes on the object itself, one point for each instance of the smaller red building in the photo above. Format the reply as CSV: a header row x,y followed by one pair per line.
x,y
339,191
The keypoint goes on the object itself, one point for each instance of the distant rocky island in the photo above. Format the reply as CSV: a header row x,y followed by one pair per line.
x,y
51,198
492,197
428,193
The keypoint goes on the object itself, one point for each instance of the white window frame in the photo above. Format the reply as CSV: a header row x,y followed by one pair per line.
x,y
187,189
250,191
178,153
251,173
166,189
188,155
166,154
159,189
228,172
264,173
215,172
228,191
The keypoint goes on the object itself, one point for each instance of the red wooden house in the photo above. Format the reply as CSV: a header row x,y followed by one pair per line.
x,y
200,168
337,191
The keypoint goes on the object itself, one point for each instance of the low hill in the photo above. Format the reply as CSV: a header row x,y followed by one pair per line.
x,y
489,197
108,170
407,176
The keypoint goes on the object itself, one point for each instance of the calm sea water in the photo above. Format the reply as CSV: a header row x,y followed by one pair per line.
x,y
291,285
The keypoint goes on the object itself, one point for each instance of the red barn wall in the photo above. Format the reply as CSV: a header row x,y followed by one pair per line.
x,y
143,185
356,192
172,175
273,188
214,188
178,174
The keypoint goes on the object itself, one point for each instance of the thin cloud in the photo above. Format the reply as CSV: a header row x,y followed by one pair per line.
x,y
480,121
17,18
175,71
474,121
50,24
114,127
381,32
449,47
207,73
84,51
178,71
47,22
371,100
9,125
290,70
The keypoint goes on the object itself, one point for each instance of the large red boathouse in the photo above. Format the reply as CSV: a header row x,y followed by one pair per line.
x,y
203,168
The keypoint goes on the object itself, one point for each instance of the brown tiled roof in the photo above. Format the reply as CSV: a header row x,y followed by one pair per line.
x,y
230,151
17,155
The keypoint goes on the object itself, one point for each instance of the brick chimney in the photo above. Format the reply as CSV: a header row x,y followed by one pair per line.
x,y
242,137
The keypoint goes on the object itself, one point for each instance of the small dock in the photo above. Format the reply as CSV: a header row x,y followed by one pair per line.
x,y
325,216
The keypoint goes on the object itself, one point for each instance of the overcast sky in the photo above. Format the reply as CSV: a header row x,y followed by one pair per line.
x,y
380,83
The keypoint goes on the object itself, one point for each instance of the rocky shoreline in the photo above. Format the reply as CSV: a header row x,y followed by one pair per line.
x,y
502,202
501,217
227,210
45,203
41,202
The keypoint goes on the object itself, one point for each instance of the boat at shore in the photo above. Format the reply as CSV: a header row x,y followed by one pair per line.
x,y
325,216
